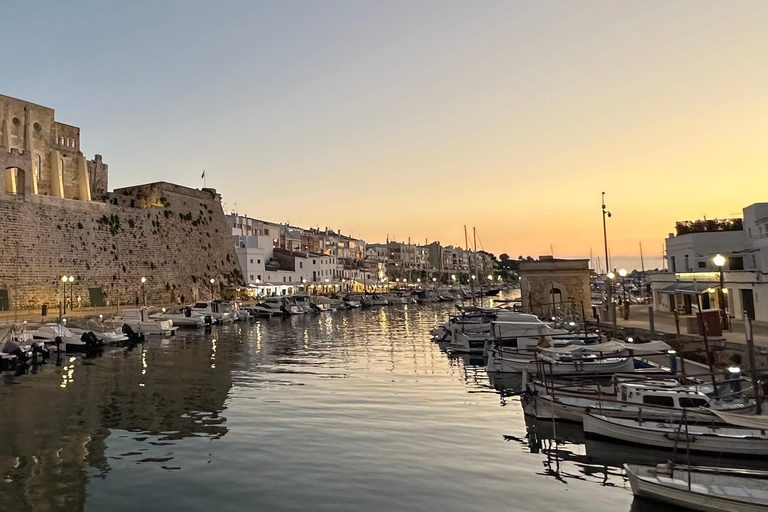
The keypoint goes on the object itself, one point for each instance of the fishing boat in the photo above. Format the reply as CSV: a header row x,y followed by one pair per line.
x,y
725,432
652,399
572,359
701,488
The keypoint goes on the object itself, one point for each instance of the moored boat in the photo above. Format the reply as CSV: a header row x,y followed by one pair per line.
x,y
701,488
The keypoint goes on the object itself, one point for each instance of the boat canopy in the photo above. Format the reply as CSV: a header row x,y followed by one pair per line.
x,y
615,346
743,420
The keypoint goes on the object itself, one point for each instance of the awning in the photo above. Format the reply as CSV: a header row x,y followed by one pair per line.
x,y
687,287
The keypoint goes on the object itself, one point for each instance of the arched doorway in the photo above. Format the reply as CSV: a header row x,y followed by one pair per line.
x,y
15,181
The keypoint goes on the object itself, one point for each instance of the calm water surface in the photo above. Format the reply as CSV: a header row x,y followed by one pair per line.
x,y
353,410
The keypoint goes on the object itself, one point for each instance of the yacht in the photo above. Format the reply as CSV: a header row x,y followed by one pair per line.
x,y
215,309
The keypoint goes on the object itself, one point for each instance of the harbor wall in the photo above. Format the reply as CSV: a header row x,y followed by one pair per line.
x,y
176,237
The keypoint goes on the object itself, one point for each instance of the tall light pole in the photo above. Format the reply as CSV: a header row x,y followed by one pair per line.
x,y
719,261
611,276
144,290
212,281
64,292
611,313
71,292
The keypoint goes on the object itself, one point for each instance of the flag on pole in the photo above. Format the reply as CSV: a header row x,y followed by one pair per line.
x,y
203,175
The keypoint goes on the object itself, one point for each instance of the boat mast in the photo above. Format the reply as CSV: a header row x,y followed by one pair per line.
x,y
471,282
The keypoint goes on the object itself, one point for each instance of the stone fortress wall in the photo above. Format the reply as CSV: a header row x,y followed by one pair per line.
x,y
174,236
57,218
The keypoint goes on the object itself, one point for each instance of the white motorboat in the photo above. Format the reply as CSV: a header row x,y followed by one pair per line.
x,y
268,307
701,488
523,335
182,316
739,435
49,333
102,332
140,322
215,309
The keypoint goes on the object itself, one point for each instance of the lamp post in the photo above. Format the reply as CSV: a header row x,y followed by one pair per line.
x,y
611,311
607,266
719,261
144,291
64,293
71,292
623,274
212,280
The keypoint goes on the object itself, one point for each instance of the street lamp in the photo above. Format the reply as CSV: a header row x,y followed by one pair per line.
x,y
144,290
623,274
607,265
719,261
212,280
64,293
71,292
490,277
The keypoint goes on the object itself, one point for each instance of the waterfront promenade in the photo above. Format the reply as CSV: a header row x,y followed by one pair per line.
x,y
665,322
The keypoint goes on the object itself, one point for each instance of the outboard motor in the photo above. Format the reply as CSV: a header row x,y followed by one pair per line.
x,y
132,335
91,341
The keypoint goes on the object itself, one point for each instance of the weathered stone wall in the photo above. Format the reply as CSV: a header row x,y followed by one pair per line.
x,y
174,236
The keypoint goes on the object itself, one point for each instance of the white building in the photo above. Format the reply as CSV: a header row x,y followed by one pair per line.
x,y
693,276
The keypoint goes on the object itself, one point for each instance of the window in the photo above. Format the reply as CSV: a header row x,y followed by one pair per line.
x,y
251,262
314,262
283,278
736,263
702,264
666,401
251,277
674,267
258,277
290,279
258,261
692,402
687,266
201,305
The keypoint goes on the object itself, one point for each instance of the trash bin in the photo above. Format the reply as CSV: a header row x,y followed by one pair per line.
x,y
44,312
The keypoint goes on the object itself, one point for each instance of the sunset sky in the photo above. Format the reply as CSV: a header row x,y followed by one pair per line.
x,y
411,119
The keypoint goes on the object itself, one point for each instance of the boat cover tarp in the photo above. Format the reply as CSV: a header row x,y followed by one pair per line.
x,y
614,346
743,420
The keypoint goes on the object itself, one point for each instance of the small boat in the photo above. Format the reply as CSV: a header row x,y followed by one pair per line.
x,y
652,399
103,333
51,333
140,322
214,308
572,359
727,433
701,488
182,316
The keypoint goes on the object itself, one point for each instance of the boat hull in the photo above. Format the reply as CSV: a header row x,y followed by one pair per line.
x,y
665,435
680,495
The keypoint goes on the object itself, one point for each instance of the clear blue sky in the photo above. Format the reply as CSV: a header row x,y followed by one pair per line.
x,y
414,118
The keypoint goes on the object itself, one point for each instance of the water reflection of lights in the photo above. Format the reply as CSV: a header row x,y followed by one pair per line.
x,y
213,352
258,336
68,373
143,361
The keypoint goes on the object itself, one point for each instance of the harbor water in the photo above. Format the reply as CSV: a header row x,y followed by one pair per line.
x,y
348,410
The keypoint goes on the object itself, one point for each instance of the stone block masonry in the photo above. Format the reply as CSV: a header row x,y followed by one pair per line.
x,y
174,236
